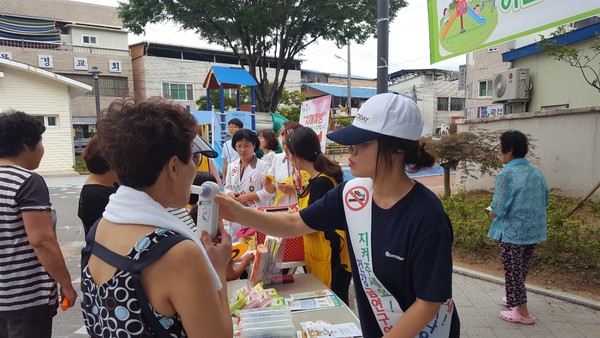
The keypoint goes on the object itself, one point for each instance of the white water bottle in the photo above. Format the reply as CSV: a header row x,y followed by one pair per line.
x,y
208,210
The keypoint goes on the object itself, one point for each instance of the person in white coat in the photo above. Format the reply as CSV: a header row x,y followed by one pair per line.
x,y
229,154
244,176
283,172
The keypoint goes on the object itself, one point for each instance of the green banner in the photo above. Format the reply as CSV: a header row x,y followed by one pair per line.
x,y
459,26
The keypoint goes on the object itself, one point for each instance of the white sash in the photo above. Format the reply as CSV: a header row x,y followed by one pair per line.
x,y
237,179
358,201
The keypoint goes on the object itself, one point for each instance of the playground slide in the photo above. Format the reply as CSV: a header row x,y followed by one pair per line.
x,y
480,20
263,120
449,24
218,160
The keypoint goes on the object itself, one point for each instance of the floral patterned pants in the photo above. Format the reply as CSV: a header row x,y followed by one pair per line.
x,y
516,259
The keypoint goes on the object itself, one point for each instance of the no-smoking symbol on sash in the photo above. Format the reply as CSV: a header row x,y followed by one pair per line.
x,y
357,198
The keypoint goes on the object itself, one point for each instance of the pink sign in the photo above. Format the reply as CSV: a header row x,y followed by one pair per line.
x,y
315,115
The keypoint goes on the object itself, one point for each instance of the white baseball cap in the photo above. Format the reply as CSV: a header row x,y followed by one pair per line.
x,y
383,114
200,146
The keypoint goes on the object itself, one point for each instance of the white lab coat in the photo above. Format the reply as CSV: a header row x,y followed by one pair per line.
x,y
281,168
251,181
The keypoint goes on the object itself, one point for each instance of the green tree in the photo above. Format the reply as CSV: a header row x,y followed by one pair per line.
x,y
588,61
255,30
230,102
469,148
290,105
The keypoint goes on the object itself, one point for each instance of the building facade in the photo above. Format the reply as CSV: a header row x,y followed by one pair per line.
x,y
47,96
69,38
480,69
178,72
555,84
549,84
315,84
436,93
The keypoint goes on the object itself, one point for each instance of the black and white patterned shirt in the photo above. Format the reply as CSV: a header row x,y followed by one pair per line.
x,y
26,288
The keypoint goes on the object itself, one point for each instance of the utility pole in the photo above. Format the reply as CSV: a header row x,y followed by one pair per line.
x,y
349,101
96,76
414,93
383,20
349,80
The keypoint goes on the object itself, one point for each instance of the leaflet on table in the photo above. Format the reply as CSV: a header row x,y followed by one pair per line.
x,y
265,322
313,303
323,329
311,294
255,297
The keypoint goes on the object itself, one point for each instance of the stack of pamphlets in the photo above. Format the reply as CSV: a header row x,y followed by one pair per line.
x,y
325,329
313,300
255,297
267,260
265,322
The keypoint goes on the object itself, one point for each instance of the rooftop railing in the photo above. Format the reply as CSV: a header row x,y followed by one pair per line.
x,y
60,46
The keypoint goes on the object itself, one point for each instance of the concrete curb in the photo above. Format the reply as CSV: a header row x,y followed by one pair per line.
x,y
536,289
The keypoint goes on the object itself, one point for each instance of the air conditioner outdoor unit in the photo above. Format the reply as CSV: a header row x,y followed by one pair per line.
x,y
510,85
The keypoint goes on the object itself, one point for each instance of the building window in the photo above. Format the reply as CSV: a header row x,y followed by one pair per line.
x,y
442,103
114,86
90,40
457,103
178,91
48,120
52,121
485,88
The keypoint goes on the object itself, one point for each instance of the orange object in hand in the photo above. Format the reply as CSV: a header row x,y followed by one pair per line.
x,y
64,305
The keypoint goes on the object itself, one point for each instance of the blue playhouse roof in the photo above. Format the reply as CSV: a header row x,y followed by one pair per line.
x,y
229,77
342,91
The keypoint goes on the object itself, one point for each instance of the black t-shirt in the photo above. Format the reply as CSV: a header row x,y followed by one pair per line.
x,y
92,202
411,249
318,187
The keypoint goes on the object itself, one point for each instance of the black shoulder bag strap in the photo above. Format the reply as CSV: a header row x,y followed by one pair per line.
x,y
134,267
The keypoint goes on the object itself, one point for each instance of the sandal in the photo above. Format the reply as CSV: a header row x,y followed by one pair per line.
x,y
514,317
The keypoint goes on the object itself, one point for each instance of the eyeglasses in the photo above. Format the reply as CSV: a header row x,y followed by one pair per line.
x,y
353,149
244,146
197,158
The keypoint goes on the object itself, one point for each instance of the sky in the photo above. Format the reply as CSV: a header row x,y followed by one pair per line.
x,y
408,45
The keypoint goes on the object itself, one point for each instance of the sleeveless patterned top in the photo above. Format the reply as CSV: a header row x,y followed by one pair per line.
x,y
112,309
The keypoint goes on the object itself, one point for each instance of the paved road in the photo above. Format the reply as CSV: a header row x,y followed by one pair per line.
x,y
477,296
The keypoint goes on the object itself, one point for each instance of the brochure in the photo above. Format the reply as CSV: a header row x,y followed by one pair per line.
x,y
310,304
325,329
311,294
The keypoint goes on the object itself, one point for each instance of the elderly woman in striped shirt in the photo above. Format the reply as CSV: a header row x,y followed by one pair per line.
x,y
31,262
